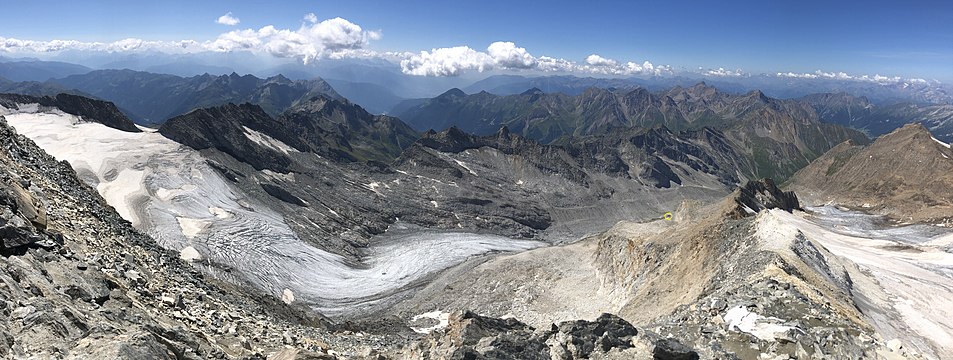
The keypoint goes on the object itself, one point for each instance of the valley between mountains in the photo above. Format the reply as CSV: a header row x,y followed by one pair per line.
x,y
283,221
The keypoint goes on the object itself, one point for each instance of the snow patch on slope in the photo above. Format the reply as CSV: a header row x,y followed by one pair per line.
x,y
913,295
764,328
940,142
267,141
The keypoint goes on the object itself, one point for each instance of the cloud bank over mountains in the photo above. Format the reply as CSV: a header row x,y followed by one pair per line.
x,y
504,55
339,38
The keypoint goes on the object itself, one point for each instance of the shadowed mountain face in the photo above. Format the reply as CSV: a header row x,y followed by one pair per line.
x,y
905,174
338,130
87,109
781,136
856,112
153,98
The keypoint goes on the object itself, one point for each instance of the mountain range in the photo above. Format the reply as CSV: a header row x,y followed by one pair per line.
x,y
781,135
153,98
775,86
37,70
875,120
358,217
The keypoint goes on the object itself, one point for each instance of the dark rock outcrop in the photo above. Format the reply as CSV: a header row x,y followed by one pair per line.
x,y
758,195
338,130
671,349
224,128
103,112
471,336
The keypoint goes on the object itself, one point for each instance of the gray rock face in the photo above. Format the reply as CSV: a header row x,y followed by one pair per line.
x,y
671,349
22,216
471,336
761,195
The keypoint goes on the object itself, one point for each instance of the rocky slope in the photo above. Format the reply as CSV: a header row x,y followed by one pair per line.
x,y
79,282
904,174
88,109
153,98
780,136
338,130
720,282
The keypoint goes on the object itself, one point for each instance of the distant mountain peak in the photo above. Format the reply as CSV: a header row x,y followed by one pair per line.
x,y
503,132
758,95
533,91
278,79
453,93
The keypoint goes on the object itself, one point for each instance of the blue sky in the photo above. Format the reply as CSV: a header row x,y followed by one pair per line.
x,y
892,38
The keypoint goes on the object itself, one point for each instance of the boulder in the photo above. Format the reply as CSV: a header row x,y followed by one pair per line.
x,y
671,349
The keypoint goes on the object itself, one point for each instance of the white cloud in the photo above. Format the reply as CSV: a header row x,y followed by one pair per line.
x,y
228,19
335,37
311,18
507,55
876,78
454,61
446,62
549,64
12,45
312,41
722,72
596,60
596,64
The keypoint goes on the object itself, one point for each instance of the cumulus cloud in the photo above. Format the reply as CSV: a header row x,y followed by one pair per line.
x,y
549,64
338,38
877,78
313,40
596,60
507,56
454,61
451,61
228,19
13,45
722,72
597,64
331,38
